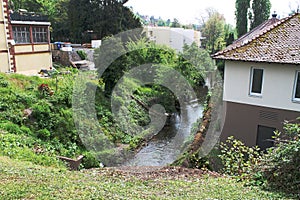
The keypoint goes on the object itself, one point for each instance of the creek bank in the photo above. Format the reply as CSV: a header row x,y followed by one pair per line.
x,y
188,158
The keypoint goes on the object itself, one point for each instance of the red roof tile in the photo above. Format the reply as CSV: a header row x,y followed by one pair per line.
x,y
274,41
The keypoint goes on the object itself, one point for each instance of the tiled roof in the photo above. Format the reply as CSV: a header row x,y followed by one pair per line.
x,y
273,42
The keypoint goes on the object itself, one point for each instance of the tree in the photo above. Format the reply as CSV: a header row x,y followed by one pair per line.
x,y
213,31
241,14
30,5
260,12
194,64
56,10
175,23
79,21
99,18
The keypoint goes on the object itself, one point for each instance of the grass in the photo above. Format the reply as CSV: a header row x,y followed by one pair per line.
x,y
24,180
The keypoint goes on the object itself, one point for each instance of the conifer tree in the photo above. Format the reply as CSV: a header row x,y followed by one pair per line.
x,y
260,12
241,13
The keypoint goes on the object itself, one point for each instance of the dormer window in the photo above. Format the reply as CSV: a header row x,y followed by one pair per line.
x,y
296,93
256,81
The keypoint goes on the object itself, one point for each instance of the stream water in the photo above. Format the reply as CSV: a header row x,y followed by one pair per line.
x,y
165,147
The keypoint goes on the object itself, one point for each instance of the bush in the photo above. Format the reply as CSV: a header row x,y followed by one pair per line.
x,y
239,160
90,161
280,166
82,54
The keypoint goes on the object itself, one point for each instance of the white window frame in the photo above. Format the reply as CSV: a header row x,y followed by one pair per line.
x,y
254,94
294,99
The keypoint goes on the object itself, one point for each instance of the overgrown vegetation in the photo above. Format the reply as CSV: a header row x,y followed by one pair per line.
x,y
276,169
36,122
280,166
41,109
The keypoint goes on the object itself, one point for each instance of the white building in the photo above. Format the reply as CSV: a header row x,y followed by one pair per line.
x,y
173,37
262,81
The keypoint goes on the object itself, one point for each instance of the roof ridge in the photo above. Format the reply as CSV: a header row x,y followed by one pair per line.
x,y
271,27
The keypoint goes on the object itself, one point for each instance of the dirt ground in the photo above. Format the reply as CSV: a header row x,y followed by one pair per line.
x,y
152,173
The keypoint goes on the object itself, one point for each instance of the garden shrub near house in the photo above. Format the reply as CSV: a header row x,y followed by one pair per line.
x,y
280,166
239,160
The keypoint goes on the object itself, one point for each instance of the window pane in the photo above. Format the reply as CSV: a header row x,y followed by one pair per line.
x,y
21,34
40,34
297,87
257,79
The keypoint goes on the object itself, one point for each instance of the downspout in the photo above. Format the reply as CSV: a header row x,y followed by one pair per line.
x,y
5,31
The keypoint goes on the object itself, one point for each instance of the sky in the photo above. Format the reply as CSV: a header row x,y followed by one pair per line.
x,y
190,11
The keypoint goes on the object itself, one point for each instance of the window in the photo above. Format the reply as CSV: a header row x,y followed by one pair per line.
x,y
40,34
21,34
256,82
264,138
296,95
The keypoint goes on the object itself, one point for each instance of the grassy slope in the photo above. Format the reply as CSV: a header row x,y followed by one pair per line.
x,y
24,180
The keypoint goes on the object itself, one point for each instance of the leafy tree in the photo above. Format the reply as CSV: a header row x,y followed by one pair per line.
x,y
175,23
30,5
241,14
79,22
213,31
99,17
56,10
194,64
103,57
229,34
260,12
161,22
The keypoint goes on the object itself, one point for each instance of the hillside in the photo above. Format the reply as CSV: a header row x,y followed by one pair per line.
x,y
24,180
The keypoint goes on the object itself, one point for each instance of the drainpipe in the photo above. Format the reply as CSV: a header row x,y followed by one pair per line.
x,y
5,31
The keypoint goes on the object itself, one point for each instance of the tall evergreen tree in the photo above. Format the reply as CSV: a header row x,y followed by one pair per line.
x,y
260,12
241,13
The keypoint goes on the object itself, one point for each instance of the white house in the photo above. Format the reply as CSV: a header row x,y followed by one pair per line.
x,y
262,81
172,37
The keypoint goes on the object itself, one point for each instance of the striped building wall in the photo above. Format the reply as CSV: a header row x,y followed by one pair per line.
x,y
6,54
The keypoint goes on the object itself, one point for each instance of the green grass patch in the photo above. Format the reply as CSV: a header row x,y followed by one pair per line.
x,y
24,180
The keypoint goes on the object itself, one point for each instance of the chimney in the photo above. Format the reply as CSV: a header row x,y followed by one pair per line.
x,y
274,17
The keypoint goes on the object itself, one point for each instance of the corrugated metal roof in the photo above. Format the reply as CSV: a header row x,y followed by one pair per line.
x,y
274,41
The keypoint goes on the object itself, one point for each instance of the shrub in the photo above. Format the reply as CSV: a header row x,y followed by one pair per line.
x,y
90,161
239,160
280,166
82,54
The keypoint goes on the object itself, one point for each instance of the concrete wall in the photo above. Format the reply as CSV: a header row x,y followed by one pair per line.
x,y
278,85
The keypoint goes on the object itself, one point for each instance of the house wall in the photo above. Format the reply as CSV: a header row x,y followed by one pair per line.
x,y
36,61
172,37
32,57
4,50
278,85
242,121
177,38
245,113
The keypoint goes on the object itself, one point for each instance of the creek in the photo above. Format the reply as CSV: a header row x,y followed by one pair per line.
x,y
165,147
